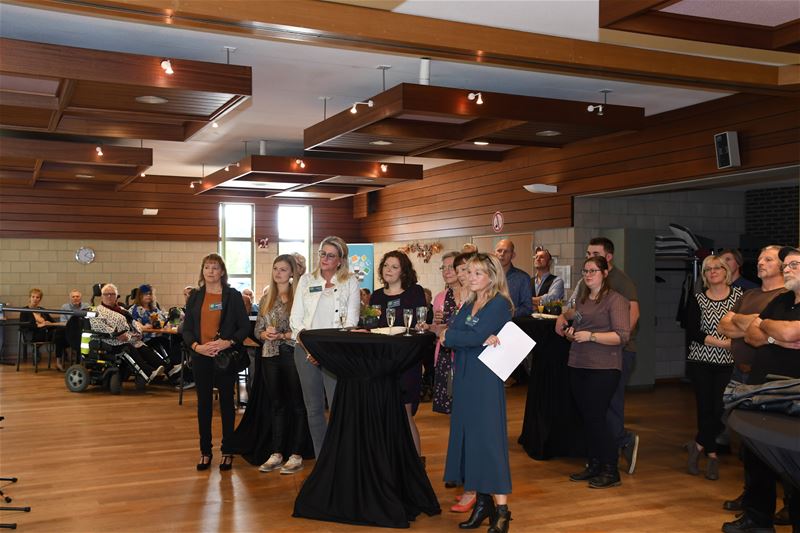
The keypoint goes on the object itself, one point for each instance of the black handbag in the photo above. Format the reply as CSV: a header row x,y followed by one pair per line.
x,y
231,360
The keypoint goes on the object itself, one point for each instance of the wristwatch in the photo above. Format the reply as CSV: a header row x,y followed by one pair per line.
x,y
592,338
771,340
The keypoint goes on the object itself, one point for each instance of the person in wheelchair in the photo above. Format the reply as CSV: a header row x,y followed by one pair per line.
x,y
113,319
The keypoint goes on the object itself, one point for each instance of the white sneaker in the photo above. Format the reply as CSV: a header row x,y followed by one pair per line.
x,y
157,372
273,463
294,464
175,369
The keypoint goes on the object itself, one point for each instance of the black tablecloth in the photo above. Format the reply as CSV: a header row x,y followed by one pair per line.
x,y
368,471
774,437
551,426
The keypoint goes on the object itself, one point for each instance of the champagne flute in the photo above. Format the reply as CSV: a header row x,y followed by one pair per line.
x,y
390,318
342,321
408,317
422,315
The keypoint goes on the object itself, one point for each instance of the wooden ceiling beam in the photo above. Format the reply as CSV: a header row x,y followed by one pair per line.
x,y
467,155
38,101
37,168
344,26
787,36
65,90
96,126
613,11
69,152
39,59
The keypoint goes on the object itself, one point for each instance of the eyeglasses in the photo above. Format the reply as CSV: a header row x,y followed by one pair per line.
x,y
590,271
714,269
323,255
446,268
791,265
108,293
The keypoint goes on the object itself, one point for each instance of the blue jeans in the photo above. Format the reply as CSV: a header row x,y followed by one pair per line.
x,y
615,416
317,383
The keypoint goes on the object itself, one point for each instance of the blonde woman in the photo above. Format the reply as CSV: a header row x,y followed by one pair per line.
x,y
710,362
326,298
477,452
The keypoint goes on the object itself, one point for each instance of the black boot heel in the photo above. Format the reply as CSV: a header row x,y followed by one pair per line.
x,y
227,463
205,462
501,520
484,508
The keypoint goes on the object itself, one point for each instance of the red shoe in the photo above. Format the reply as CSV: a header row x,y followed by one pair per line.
x,y
464,507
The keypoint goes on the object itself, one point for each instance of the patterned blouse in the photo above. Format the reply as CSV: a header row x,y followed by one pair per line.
x,y
702,317
277,317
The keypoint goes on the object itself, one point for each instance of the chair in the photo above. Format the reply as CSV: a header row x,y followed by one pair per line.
x,y
26,339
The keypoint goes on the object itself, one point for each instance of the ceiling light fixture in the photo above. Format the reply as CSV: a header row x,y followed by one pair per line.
x,y
548,133
478,97
214,124
541,188
380,142
599,107
99,151
195,182
84,176
149,212
142,174
368,103
384,167
227,168
300,163
149,99
166,64
480,143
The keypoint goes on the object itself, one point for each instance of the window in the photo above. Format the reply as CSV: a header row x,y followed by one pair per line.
x,y
236,243
294,230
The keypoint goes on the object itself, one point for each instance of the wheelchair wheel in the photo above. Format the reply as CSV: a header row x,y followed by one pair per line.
x,y
76,378
115,383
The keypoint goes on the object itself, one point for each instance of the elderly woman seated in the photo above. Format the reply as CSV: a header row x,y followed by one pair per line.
x,y
40,326
146,311
126,333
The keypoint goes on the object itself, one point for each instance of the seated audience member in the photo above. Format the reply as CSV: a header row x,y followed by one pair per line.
x,y
253,309
126,333
41,326
75,304
776,334
545,286
733,258
365,294
150,316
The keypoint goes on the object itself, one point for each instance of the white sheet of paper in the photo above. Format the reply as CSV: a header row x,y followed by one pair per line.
x,y
506,356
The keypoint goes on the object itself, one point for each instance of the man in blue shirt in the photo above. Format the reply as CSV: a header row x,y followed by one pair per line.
x,y
519,283
733,258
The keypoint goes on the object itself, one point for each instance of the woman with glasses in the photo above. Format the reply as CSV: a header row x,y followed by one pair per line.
x,y
477,450
710,362
327,297
401,291
216,320
600,329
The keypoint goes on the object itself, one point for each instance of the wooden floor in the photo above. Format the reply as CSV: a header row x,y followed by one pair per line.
x,y
95,462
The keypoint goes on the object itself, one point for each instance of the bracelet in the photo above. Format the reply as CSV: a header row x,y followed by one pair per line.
x,y
195,345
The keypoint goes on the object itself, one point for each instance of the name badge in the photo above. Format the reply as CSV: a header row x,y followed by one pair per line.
x,y
216,306
391,304
472,320
315,288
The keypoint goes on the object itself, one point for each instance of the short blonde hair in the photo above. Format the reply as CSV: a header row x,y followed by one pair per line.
x,y
718,259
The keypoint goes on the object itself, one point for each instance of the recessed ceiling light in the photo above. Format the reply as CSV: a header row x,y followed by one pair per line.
x,y
480,143
548,133
84,176
380,143
147,99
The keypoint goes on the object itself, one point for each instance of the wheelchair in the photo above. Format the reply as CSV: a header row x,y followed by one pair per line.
x,y
100,363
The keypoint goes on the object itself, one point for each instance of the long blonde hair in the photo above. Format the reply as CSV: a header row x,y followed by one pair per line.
x,y
343,271
268,300
497,278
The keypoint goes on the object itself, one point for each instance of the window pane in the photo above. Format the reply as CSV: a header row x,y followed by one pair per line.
x,y
293,222
238,258
292,247
239,283
238,220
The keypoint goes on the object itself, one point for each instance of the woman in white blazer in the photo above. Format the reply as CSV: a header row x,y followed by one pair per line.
x,y
328,297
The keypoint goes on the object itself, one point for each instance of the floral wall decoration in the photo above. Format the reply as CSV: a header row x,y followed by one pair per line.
x,y
424,251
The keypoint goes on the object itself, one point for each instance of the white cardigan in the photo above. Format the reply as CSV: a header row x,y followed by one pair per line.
x,y
307,294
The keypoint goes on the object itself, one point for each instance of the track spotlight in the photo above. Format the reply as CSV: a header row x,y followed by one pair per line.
x,y
194,183
300,163
478,97
99,151
368,103
214,124
384,167
227,168
598,108
142,174
166,64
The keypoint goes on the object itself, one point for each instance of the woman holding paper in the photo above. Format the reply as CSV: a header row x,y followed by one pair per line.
x,y
600,330
477,452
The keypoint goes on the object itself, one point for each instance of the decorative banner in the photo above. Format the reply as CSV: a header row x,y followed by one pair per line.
x,y
497,222
362,264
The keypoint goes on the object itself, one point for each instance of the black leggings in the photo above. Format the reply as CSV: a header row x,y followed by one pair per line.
x,y
592,390
709,381
282,385
206,379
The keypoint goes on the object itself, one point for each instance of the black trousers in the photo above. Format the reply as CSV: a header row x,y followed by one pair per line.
x,y
592,390
206,378
709,383
760,491
282,385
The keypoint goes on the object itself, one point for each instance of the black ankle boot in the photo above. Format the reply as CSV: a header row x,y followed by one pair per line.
x,y
484,508
608,477
501,520
592,469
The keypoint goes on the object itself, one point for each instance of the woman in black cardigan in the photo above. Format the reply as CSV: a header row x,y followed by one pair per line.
x,y
216,320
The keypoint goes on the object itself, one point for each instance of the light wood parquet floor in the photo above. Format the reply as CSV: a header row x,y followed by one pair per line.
x,y
93,462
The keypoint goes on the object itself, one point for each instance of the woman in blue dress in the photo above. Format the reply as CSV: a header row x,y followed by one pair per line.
x,y
477,453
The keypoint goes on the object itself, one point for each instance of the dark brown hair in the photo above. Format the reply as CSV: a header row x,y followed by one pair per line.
x,y
602,264
408,276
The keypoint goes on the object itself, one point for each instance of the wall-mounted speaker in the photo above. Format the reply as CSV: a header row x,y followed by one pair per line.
x,y
726,145
372,202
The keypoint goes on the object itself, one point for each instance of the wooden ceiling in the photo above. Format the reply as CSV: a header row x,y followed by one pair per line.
x,y
289,177
679,19
446,123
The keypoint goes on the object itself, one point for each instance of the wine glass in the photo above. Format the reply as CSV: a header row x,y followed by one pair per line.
x,y
422,315
408,317
390,318
342,321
